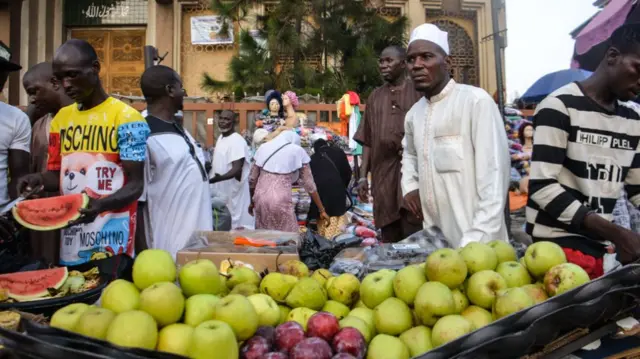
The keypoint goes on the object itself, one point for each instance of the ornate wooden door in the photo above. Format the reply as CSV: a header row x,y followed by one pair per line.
x,y
121,54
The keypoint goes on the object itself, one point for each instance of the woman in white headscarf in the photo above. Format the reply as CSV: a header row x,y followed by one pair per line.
x,y
279,163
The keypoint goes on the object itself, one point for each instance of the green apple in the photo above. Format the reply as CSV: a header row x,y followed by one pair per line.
x,y
133,329
418,340
375,288
407,282
301,316
307,292
511,300
449,328
120,296
266,308
277,286
367,315
67,317
164,301
295,268
447,267
483,287
504,251
336,308
387,347
480,317
345,289
239,275
175,339
321,275
328,282
199,308
94,322
245,289
536,292
514,273
392,317
433,300
284,313
200,277
213,339
564,277
153,266
238,312
460,301
478,257
360,304
542,256
360,325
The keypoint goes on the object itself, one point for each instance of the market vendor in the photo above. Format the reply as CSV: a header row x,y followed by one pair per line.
x,y
380,133
109,169
455,163
585,151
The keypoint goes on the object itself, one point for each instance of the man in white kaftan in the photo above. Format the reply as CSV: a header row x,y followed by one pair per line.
x,y
455,162
230,172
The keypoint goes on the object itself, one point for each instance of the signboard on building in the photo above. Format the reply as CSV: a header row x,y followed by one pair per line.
x,y
205,30
105,12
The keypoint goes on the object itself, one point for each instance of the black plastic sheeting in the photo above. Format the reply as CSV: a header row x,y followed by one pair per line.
x,y
610,297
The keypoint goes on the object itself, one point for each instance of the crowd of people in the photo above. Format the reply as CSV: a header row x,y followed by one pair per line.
x,y
436,155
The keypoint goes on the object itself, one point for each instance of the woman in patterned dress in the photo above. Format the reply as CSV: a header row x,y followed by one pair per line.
x,y
278,164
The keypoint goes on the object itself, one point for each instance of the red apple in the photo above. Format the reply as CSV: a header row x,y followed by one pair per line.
x,y
288,334
323,325
269,333
349,340
275,355
254,348
311,348
343,356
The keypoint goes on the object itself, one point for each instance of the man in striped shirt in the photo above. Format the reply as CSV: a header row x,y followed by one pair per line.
x,y
585,152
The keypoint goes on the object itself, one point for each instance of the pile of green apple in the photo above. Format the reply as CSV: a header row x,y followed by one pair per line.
x,y
399,314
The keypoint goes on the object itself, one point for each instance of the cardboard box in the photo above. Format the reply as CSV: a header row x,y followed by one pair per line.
x,y
218,246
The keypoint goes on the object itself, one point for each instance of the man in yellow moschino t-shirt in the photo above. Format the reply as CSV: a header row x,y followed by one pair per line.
x,y
96,146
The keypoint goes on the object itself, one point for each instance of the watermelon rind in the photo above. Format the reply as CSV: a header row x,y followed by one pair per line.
x,y
36,292
24,223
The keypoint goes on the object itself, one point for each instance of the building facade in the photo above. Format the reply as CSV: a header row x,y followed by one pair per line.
x,y
119,30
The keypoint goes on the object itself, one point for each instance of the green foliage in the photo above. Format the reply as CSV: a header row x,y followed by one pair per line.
x,y
346,35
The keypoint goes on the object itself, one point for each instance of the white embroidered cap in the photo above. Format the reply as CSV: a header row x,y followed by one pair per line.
x,y
431,32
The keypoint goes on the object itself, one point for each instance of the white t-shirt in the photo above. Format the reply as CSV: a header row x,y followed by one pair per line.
x,y
236,193
176,192
15,134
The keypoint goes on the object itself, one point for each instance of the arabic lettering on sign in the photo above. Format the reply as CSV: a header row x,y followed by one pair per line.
x,y
104,11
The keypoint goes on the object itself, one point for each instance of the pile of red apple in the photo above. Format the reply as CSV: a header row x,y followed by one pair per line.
x,y
323,340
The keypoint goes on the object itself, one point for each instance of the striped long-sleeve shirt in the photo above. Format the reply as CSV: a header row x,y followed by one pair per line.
x,y
583,156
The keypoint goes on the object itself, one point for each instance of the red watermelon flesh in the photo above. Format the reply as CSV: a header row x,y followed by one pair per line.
x,y
46,214
24,286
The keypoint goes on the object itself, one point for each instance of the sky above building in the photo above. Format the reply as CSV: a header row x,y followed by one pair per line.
x,y
539,40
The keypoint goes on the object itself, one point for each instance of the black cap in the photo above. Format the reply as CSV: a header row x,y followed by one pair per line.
x,y
5,59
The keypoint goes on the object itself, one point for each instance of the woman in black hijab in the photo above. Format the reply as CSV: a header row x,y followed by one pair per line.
x,y
332,174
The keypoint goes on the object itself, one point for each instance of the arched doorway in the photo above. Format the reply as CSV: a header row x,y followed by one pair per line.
x,y
462,50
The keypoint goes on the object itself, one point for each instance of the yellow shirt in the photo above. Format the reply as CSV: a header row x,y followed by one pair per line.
x,y
88,148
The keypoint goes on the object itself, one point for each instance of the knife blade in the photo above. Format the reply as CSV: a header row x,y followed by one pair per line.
x,y
9,205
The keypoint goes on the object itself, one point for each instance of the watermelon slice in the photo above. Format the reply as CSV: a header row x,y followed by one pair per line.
x,y
25,286
46,214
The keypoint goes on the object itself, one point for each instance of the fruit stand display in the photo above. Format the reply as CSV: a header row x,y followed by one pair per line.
x,y
476,302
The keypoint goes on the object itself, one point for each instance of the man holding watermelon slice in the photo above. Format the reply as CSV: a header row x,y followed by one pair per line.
x,y
96,146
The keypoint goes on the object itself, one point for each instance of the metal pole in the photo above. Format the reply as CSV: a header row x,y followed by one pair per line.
x,y
497,49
